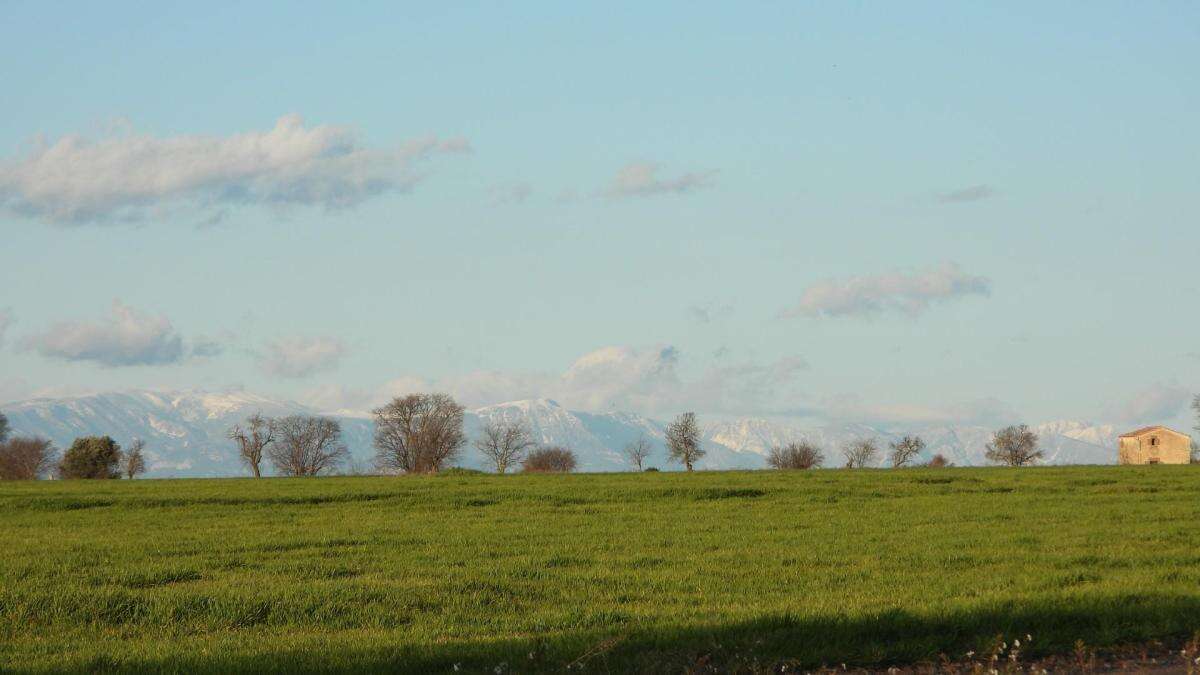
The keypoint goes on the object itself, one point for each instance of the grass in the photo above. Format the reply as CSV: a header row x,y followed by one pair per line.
x,y
606,573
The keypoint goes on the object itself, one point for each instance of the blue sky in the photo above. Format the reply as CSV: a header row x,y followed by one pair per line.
x,y
960,212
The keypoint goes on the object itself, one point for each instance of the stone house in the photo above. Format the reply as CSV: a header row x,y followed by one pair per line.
x,y
1154,445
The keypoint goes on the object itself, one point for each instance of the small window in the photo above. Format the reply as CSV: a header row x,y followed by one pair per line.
x,y
1154,441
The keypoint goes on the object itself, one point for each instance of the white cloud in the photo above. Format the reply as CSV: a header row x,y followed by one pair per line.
x,y
906,292
640,179
301,356
1162,402
205,347
973,193
132,177
6,322
988,411
126,337
610,378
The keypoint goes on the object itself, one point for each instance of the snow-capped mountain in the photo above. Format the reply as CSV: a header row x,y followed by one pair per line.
x,y
186,432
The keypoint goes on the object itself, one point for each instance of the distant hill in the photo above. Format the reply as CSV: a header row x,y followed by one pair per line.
x,y
185,432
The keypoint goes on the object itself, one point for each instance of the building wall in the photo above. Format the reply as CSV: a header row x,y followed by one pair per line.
x,y
1172,448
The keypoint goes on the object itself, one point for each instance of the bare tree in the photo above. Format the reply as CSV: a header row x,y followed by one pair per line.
x,y
504,443
253,441
5,429
1014,446
552,459
1195,408
798,455
683,440
26,458
133,461
637,451
906,450
861,453
418,433
306,445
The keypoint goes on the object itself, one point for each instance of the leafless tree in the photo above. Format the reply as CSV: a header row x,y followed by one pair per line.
x,y
637,451
906,450
253,441
683,440
799,455
552,459
504,443
306,445
133,461
1014,446
861,453
26,458
418,433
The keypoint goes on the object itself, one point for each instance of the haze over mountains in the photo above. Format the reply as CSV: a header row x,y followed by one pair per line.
x,y
185,432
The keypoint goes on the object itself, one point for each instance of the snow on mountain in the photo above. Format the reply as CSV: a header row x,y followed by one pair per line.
x,y
185,432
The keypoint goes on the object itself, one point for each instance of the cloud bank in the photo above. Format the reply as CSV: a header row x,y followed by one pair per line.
x,y
1152,405
640,179
908,293
618,377
126,337
297,357
134,177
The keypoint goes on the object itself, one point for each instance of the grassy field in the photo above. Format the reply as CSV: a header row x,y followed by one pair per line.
x,y
606,573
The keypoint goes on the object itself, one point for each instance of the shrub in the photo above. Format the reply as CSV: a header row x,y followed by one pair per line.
x,y
552,459
26,458
651,469
938,461
461,471
801,455
91,457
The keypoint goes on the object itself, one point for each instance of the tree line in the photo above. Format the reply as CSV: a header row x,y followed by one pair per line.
x,y
423,433
31,458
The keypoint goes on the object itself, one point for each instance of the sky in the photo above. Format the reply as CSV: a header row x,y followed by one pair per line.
x,y
894,213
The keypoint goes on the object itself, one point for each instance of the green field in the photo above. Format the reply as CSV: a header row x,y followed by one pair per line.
x,y
605,572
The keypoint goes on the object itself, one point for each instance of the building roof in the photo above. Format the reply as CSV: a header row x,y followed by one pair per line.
x,y
1145,430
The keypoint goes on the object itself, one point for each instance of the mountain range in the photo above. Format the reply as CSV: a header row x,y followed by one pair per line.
x,y
185,432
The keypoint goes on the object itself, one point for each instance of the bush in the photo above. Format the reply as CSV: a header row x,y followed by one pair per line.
x,y
651,469
91,457
25,458
553,459
939,461
802,455
461,471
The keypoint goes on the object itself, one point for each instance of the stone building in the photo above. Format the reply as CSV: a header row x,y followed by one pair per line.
x,y
1155,445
